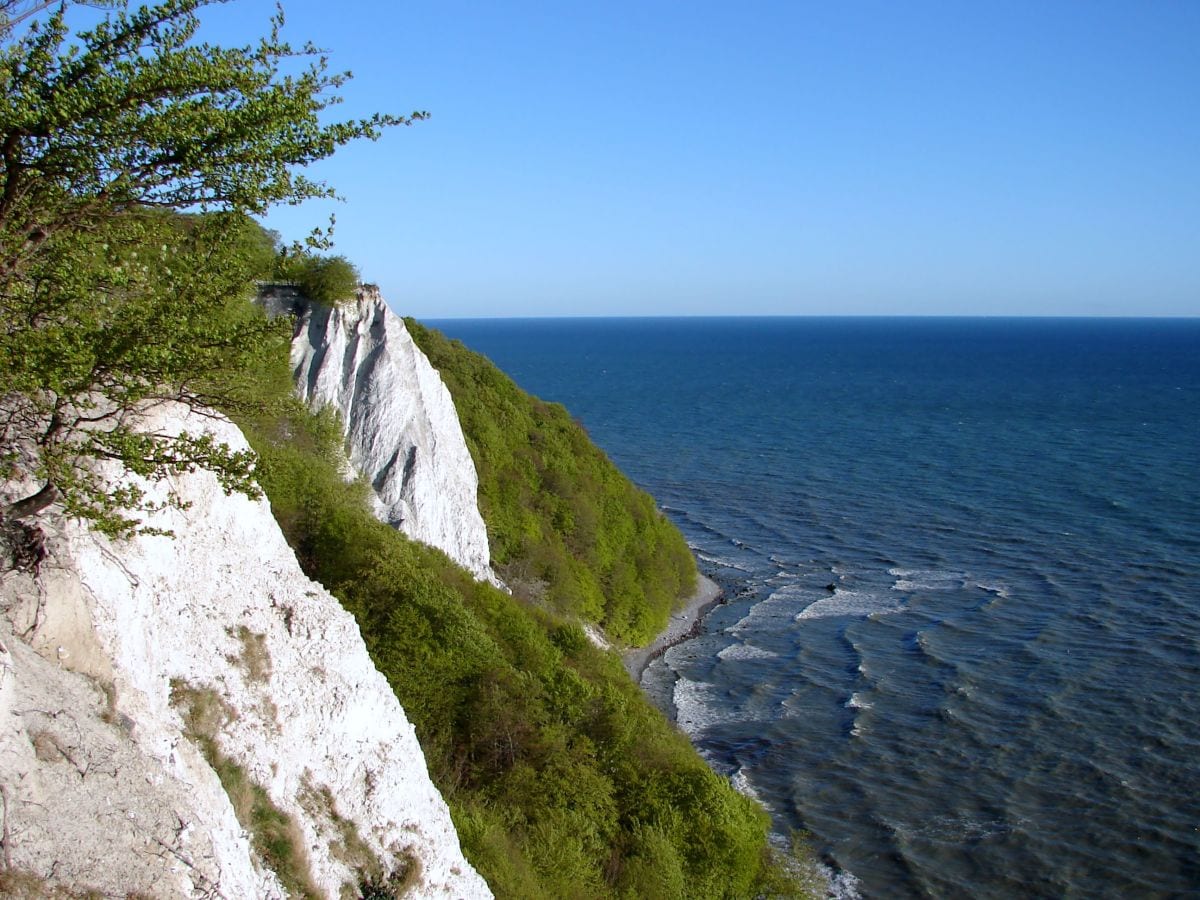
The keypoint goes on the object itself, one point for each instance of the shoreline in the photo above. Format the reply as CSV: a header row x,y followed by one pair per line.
x,y
684,623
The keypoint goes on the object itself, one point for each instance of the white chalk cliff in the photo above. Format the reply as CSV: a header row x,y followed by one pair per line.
x,y
402,429
103,784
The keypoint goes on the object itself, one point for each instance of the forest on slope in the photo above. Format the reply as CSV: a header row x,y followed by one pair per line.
x,y
562,779
135,160
565,526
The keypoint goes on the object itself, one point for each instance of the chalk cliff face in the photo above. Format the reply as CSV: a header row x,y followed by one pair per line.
x,y
401,425
122,659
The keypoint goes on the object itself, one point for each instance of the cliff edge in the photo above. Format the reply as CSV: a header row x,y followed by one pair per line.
x,y
402,430
174,710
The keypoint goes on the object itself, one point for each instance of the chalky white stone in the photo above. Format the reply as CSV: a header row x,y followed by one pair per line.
x,y
402,429
115,796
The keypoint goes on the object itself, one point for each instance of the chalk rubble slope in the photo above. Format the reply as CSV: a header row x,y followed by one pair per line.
x,y
103,788
402,429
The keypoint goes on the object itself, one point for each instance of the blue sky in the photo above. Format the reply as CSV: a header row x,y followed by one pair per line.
x,y
618,158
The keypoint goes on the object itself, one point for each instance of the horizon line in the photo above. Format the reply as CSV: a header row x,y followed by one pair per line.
x,y
1006,316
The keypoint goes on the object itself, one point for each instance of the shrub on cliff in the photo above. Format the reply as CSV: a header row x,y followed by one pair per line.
x,y
564,524
325,279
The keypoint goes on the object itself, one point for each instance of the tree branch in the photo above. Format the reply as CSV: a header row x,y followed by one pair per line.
x,y
33,504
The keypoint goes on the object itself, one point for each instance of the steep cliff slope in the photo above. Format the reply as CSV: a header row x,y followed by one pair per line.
x,y
191,716
567,527
402,429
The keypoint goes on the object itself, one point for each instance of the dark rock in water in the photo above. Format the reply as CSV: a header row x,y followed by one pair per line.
x,y
831,587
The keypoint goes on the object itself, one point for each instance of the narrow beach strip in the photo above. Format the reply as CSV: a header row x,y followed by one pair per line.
x,y
683,624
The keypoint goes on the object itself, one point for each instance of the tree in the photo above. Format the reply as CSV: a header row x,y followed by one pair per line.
x,y
109,297
14,12
326,279
165,316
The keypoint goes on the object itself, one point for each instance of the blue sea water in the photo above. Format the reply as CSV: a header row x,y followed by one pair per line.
x,y
962,556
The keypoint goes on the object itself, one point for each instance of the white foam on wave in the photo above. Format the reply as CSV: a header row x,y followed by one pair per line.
x,y
720,561
780,606
784,577
841,885
959,828
1000,590
849,603
909,580
858,701
791,591
695,706
745,651
741,784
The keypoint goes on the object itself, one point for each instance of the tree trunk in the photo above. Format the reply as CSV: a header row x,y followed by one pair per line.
x,y
33,504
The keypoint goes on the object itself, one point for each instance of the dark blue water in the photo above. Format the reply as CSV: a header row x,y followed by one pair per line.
x,y
963,642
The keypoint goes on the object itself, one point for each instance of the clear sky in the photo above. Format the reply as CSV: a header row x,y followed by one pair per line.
x,y
845,157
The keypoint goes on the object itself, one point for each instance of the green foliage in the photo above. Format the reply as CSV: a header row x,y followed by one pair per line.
x,y
325,279
562,780
108,297
148,306
141,113
565,525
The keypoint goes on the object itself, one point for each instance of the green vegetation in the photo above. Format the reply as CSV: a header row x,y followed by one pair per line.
x,y
130,164
164,316
562,779
326,279
107,299
565,526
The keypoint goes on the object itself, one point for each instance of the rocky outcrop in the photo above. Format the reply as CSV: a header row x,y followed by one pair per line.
x,y
131,672
402,429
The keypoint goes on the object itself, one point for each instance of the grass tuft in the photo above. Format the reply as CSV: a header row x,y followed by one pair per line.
x,y
255,659
275,835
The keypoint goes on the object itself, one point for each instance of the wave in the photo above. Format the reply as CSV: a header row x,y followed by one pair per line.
x,y
909,580
720,561
772,615
1002,591
697,708
783,576
745,651
838,883
841,884
912,580
859,604
741,784
857,701
959,828
793,591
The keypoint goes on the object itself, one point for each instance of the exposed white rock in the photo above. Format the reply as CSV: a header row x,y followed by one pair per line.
x,y
401,426
101,786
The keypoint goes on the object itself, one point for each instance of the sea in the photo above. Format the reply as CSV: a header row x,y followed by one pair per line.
x,y
960,648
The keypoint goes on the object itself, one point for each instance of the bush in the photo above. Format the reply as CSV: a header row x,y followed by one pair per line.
x,y
331,280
